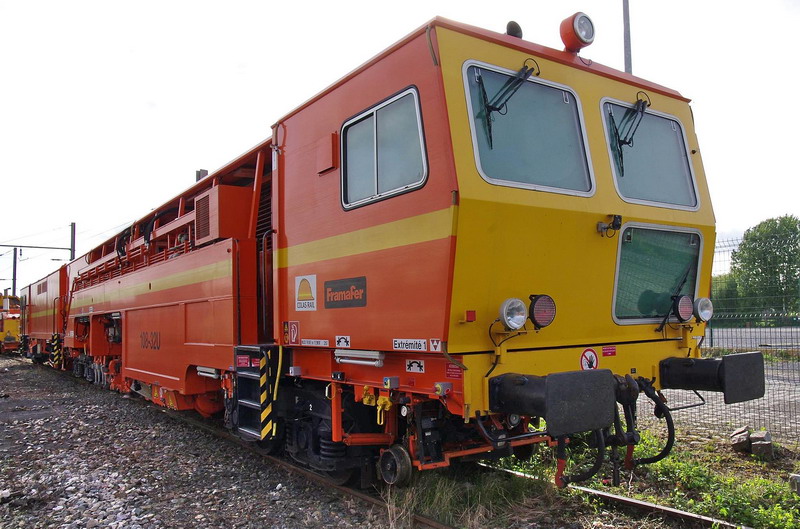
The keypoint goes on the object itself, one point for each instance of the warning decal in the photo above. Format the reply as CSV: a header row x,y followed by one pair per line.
x,y
415,366
291,332
610,350
436,345
589,359
453,371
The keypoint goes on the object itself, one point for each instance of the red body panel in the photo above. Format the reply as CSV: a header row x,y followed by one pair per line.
x,y
407,285
44,305
176,314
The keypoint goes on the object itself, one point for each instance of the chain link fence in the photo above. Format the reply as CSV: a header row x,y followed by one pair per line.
x,y
756,295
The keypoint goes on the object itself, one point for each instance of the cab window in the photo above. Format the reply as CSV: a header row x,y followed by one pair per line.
x,y
383,151
649,156
527,133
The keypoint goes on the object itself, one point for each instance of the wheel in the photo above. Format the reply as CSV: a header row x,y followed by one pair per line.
x,y
341,477
524,452
274,445
395,466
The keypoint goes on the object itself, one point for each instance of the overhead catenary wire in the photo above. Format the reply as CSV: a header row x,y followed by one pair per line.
x,y
14,239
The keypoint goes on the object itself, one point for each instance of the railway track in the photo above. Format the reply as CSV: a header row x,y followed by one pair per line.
x,y
644,506
424,521
419,520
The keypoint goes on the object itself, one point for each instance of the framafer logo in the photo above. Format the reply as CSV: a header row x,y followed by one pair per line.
x,y
305,293
343,293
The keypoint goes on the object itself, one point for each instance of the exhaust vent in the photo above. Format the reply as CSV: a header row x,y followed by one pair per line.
x,y
202,221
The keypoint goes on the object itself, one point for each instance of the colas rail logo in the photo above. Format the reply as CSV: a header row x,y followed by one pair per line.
x,y
305,292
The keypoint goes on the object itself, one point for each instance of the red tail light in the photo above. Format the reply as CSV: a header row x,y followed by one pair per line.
x,y
683,307
543,310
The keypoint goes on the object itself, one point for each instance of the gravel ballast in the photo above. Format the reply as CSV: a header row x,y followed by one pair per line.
x,y
75,456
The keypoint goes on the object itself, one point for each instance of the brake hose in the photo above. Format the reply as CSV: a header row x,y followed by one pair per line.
x,y
561,452
660,407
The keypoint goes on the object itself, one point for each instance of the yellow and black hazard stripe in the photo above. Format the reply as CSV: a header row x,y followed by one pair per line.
x,y
270,368
56,354
257,390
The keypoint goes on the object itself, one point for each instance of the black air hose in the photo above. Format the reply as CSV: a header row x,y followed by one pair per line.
x,y
563,481
664,411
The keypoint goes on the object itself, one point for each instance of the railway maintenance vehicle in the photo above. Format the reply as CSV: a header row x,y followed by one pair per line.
x,y
468,245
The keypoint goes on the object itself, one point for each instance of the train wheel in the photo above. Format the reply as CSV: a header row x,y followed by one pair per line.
x,y
524,452
395,466
274,445
341,477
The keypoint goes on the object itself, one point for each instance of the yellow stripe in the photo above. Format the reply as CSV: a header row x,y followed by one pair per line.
x,y
263,396
266,413
263,380
413,230
46,312
218,270
266,429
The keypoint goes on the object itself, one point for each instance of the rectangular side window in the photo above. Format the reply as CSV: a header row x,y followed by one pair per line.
x,y
383,151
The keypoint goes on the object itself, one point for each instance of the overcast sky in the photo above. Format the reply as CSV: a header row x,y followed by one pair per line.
x,y
107,108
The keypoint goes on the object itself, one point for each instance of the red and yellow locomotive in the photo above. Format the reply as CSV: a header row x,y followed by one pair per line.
x,y
452,243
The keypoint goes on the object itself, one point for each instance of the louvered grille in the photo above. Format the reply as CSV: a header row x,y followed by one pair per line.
x,y
202,221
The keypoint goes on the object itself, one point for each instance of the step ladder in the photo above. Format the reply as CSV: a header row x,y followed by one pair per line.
x,y
256,373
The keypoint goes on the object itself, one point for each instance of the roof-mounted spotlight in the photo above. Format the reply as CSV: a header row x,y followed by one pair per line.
x,y
577,32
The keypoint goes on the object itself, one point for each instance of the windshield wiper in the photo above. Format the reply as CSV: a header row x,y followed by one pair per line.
x,y
675,294
628,125
501,98
487,113
616,146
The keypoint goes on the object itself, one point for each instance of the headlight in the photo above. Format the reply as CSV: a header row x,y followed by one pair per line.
x,y
703,309
543,310
513,313
577,32
584,28
683,308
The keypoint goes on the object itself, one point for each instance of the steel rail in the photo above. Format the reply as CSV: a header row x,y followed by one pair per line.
x,y
660,509
419,519
641,505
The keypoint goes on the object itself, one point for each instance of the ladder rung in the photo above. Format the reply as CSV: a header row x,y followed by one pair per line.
x,y
249,433
249,404
248,348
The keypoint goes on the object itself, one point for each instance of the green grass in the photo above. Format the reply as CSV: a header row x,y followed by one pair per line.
x,y
699,483
702,481
705,478
463,495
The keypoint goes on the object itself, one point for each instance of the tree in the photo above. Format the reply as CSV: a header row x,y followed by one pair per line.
x,y
767,265
725,294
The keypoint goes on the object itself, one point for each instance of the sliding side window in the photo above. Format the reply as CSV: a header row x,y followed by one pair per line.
x,y
383,151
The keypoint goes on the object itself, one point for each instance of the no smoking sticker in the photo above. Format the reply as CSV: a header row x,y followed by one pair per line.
x,y
589,359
